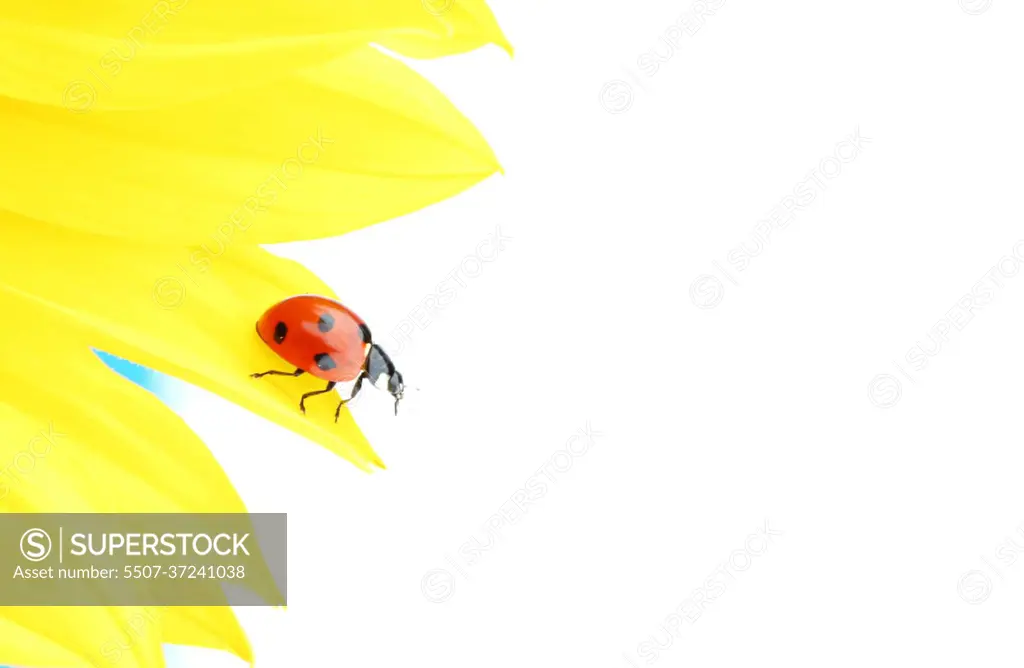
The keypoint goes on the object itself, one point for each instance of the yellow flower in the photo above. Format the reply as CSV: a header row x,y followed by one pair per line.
x,y
149,148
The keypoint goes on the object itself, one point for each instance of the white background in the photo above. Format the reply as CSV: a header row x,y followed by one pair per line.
x,y
763,406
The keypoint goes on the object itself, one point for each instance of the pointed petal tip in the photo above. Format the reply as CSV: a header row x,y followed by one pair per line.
x,y
507,47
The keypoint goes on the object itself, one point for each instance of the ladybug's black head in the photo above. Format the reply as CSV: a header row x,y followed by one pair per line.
x,y
382,373
397,388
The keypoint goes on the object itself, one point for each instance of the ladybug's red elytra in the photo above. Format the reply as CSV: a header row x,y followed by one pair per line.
x,y
325,339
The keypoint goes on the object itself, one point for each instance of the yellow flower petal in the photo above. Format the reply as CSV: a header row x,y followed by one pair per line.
x,y
85,440
139,53
24,647
70,637
471,22
188,313
361,140
78,638
213,628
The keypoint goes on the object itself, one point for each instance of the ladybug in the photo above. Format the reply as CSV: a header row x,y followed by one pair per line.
x,y
325,339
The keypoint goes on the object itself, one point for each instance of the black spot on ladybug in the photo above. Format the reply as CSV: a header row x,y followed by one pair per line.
x,y
324,362
364,332
280,332
326,323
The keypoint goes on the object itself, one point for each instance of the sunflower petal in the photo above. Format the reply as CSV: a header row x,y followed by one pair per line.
x,y
126,636
188,313
96,443
137,53
210,627
461,15
23,646
361,140
80,637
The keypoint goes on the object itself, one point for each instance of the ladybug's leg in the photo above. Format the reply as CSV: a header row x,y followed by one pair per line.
x,y
302,403
297,372
355,391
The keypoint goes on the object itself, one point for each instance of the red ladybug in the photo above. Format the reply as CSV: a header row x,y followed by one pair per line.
x,y
325,339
